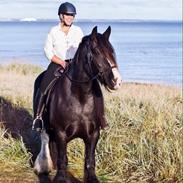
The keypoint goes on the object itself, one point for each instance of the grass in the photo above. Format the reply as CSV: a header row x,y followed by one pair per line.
x,y
143,143
14,159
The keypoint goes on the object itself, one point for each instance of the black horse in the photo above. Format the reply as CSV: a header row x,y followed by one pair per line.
x,y
71,111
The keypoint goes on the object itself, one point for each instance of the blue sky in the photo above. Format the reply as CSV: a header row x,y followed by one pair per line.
x,y
94,9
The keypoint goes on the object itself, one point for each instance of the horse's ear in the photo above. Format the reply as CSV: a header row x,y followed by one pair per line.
x,y
107,33
94,33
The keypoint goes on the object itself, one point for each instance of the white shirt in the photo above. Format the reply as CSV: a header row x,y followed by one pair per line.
x,y
62,45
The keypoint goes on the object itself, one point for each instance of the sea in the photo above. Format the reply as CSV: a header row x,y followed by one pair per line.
x,y
146,51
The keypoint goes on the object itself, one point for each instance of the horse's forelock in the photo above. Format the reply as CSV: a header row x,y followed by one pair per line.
x,y
107,49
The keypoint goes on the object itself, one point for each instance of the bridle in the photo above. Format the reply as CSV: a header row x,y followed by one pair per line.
x,y
90,79
95,76
81,82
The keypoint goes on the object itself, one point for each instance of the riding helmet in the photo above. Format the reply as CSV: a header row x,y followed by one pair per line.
x,y
67,8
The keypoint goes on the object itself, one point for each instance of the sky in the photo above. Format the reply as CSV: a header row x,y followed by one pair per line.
x,y
94,9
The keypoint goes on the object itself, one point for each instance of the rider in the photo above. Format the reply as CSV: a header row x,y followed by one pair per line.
x,y
60,47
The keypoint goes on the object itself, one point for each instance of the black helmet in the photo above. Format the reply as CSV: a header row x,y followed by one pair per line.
x,y
67,8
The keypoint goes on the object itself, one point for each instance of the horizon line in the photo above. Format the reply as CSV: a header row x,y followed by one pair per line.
x,y
30,19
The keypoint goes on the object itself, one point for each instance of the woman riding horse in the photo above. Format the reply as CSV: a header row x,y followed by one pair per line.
x,y
60,47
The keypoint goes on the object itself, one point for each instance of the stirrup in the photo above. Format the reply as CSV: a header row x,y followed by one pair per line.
x,y
38,129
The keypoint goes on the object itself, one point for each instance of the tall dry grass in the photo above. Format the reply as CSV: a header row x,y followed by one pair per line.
x,y
144,140
17,83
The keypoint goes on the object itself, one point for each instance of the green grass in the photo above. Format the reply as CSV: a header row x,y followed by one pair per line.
x,y
143,143
14,159
13,152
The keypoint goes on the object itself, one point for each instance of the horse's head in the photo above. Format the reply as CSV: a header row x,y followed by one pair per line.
x,y
100,58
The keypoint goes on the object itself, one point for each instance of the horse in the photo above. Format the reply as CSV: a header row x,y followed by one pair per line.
x,y
72,111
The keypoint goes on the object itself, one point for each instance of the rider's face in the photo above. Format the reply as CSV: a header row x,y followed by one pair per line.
x,y
67,19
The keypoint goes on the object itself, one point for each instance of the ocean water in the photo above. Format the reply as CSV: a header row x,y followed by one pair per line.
x,y
148,52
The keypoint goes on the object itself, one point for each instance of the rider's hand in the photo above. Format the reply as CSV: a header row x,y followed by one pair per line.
x,y
63,64
59,61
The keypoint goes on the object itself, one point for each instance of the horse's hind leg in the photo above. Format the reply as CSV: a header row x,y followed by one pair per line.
x,y
43,163
89,168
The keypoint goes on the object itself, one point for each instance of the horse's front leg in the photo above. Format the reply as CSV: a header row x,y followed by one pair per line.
x,y
62,160
89,167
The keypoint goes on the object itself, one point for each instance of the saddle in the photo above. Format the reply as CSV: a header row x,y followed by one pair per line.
x,y
58,73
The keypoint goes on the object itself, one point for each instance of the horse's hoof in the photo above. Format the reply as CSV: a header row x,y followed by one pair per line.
x,y
42,169
41,172
92,180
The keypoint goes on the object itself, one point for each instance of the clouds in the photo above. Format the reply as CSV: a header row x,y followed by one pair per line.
x,y
94,9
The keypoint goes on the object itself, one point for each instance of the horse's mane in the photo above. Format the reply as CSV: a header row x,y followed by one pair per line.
x,y
88,46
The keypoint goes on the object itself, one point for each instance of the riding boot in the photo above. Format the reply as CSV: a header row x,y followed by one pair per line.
x,y
38,123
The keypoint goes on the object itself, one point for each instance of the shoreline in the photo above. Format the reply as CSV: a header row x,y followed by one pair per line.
x,y
128,81
153,84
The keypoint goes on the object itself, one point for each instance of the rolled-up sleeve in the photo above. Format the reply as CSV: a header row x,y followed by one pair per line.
x,y
48,47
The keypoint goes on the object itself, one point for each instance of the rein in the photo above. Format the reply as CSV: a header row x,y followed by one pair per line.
x,y
77,81
81,82
86,81
90,79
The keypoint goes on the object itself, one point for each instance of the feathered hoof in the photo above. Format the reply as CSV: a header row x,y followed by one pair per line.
x,y
42,170
43,166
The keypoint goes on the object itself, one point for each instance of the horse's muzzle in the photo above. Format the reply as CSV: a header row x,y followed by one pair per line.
x,y
117,78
